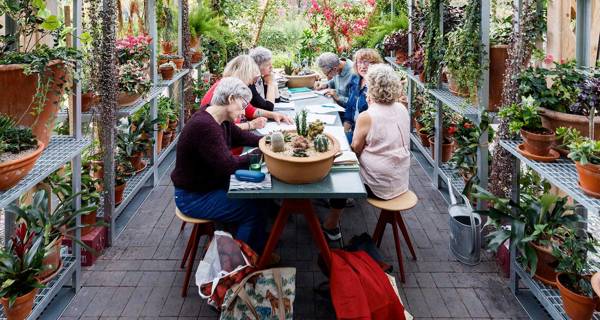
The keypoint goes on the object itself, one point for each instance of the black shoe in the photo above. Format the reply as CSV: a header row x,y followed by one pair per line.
x,y
349,203
332,234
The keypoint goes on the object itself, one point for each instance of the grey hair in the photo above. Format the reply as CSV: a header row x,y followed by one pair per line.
x,y
230,87
261,55
328,61
383,83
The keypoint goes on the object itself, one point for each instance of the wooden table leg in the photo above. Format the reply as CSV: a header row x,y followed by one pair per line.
x,y
315,227
282,218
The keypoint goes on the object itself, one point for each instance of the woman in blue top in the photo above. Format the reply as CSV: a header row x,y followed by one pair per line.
x,y
357,88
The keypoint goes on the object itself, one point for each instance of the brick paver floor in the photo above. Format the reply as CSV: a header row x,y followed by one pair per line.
x,y
139,277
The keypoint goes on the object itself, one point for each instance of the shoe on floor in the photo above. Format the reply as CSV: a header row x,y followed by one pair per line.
x,y
350,203
332,234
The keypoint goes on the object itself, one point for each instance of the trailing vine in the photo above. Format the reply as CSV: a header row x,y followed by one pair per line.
x,y
434,42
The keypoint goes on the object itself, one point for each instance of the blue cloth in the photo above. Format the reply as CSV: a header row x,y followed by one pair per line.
x,y
357,101
248,215
340,82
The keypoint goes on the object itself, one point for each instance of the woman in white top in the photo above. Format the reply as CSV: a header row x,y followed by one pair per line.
x,y
381,141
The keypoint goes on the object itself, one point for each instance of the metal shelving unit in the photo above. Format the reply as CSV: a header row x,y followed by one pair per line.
x,y
154,93
167,83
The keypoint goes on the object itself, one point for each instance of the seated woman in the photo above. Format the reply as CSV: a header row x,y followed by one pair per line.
x,y
338,72
244,68
381,141
357,88
264,91
204,164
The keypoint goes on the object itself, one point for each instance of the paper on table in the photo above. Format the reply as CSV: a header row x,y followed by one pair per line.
x,y
338,133
325,108
274,126
326,118
285,106
348,157
302,95
321,92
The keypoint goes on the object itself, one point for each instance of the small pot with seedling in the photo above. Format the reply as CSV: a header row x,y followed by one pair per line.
x,y
586,154
177,60
19,151
167,70
123,170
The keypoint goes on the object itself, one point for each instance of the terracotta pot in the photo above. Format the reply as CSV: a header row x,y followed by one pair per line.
x,y
417,125
126,99
159,139
21,308
301,81
194,42
167,73
498,57
589,178
52,261
97,169
178,63
18,93
577,306
424,139
447,149
545,270
196,56
166,139
167,46
88,100
136,161
538,144
553,119
119,190
173,125
454,88
401,57
161,62
11,172
422,77
295,170
88,219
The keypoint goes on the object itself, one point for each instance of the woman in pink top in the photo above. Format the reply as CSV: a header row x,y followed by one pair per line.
x,y
381,141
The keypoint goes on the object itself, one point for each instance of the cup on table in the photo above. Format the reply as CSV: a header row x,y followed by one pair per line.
x,y
255,162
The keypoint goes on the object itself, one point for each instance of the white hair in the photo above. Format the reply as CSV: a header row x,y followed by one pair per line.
x,y
261,55
384,84
230,87
328,61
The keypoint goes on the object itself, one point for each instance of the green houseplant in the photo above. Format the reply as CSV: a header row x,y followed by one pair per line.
x,y
20,264
586,154
19,150
34,76
133,83
123,170
131,143
538,140
467,136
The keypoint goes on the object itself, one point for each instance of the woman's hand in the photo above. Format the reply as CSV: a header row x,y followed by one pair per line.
x,y
279,117
347,126
332,93
268,79
258,123
320,86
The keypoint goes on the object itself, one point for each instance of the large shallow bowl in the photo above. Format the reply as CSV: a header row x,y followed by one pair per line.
x,y
296,170
11,172
301,81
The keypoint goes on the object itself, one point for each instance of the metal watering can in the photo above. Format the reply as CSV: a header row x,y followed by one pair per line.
x,y
465,230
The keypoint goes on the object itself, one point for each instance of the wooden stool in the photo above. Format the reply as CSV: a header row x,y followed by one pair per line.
x,y
391,213
201,227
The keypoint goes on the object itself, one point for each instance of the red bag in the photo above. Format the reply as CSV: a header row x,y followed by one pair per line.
x,y
360,289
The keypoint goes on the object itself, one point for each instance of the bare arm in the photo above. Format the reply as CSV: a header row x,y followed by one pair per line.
x,y
359,139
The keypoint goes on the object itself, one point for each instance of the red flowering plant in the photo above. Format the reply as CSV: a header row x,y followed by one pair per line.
x,y
133,48
20,264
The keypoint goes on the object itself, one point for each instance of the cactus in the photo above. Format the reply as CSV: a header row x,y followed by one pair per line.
x,y
315,129
300,153
321,143
277,143
301,123
300,143
287,137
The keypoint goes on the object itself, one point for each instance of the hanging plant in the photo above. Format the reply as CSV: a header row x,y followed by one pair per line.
x,y
434,43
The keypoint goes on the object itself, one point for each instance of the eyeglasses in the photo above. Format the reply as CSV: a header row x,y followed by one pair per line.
x,y
245,104
363,63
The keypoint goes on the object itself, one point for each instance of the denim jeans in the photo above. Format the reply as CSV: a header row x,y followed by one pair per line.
x,y
248,215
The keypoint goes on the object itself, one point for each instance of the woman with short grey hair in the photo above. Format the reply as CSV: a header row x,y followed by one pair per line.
x,y
264,91
205,163
338,72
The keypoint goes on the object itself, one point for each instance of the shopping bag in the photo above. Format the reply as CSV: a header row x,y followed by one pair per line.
x,y
264,294
226,262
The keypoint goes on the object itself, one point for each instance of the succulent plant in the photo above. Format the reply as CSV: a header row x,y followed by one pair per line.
x,y
277,142
301,123
300,153
321,143
17,139
315,128
300,142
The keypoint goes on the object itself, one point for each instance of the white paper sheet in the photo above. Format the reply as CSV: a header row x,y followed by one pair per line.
x,y
340,136
325,118
279,106
274,126
302,95
324,108
321,92
348,157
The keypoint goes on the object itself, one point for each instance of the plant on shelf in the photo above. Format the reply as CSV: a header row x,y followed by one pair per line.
x,y
501,30
20,264
433,43
39,73
588,98
397,43
573,281
133,83
165,17
586,154
123,169
417,64
538,140
19,150
205,23
166,110
449,120
564,137
167,70
132,48
467,136
426,123
131,144
535,224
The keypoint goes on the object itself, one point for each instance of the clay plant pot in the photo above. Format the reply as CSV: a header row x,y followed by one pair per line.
x,y
88,99
454,88
554,119
159,139
166,139
447,149
178,63
577,306
161,62
401,57
538,144
173,125
137,162
21,308
301,81
589,178
119,190
126,99
424,138
97,169
295,170
167,47
422,77
196,56
11,172
498,57
545,270
166,73
88,219
19,91
194,42
52,261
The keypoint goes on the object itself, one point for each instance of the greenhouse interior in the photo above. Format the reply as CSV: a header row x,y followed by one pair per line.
x,y
142,142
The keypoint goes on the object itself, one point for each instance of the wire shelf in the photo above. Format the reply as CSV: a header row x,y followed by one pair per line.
x,y
154,92
176,77
59,151
425,151
456,181
561,173
164,153
409,73
456,103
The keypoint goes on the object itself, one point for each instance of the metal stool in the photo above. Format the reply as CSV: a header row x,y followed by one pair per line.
x,y
391,213
201,227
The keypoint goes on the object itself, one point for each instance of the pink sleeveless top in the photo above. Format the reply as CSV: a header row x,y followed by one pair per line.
x,y
385,160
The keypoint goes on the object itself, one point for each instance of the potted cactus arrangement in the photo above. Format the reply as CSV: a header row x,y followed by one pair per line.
x,y
19,150
302,156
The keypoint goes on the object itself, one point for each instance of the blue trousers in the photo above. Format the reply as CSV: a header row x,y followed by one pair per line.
x,y
248,215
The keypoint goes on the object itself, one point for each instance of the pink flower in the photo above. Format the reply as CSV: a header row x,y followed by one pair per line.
x,y
549,59
371,2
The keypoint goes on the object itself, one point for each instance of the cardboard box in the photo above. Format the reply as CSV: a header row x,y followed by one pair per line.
x,y
96,240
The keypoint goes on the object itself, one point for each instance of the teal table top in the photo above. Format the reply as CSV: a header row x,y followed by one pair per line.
x,y
345,184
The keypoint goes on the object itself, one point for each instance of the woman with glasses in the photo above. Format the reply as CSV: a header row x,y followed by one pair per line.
x,y
339,73
204,164
357,88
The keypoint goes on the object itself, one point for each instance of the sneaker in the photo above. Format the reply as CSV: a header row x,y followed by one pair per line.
x,y
349,203
333,234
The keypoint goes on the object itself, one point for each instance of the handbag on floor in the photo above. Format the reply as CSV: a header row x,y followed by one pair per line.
x,y
264,294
